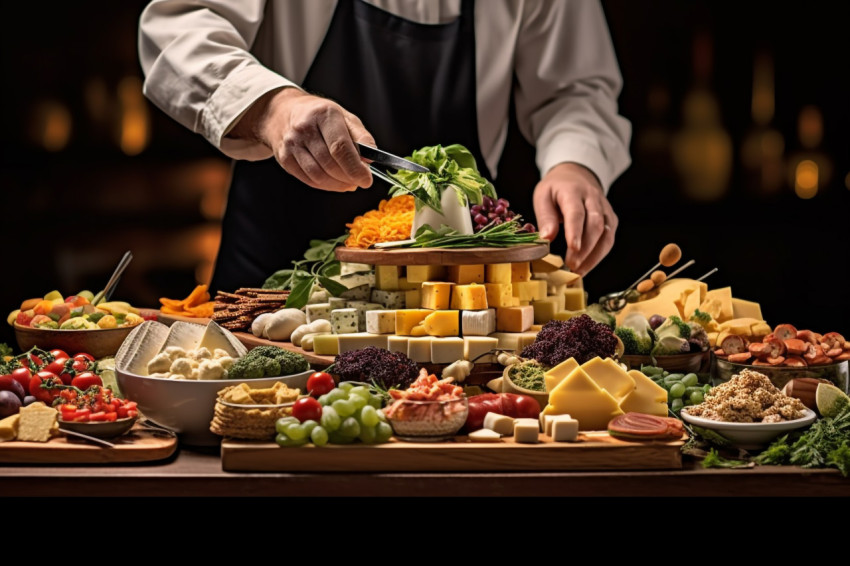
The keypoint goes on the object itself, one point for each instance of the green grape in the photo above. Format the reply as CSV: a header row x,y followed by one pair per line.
x,y
651,370
383,431
344,407
337,438
330,419
323,399
296,432
360,391
281,424
673,378
283,440
346,386
357,402
697,397
368,434
376,401
706,388
382,417
690,379
335,394
309,425
319,436
349,427
677,405
369,416
677,390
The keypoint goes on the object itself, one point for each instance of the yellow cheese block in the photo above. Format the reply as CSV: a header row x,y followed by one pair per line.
x,y
436,295
497,273
610,376
724,296
469,297
661,300
581,398
442,323
407,319
547,264
9,427
419,330
405,285
760,329
574,299
687,302
545,310
746,309
520,271
423,273
712,307
326,344
386,277
647,397
514,319
499,294
465,274
413,298
557,374
563,277
567,315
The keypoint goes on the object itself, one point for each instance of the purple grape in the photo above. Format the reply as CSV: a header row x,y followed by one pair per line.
x,y
504,202
529,227
500,210
492,215
480,219
475,209
488,202
497,221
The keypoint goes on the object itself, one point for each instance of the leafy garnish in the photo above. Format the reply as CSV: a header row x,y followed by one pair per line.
x,y
451,166
318,266
714,460
493,235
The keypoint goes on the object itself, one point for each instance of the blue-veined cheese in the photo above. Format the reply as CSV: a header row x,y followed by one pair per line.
x,y
344,321
320,311
478,323
338,303
380,321
389,299
358,293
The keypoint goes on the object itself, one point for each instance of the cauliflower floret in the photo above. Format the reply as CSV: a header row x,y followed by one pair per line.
x,y
175,352
161,375
196,374
201,353
160,363
219,353
210,369
182,366
225,362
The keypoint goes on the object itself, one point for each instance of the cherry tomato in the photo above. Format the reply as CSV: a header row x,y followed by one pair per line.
x,y
86,379
307,409
82,356
80,365
43,386
57,366
57,353
22,375
36,361
320,383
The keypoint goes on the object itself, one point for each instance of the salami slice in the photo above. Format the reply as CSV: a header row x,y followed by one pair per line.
x,y
643,426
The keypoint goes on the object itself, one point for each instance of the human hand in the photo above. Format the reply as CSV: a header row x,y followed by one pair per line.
x,y
312,138
570,193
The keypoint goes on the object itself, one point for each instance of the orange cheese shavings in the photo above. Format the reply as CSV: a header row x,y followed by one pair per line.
x,y
392,221
196,305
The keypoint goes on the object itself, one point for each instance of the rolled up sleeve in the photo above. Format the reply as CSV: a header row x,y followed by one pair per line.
x,y
568,81
198,68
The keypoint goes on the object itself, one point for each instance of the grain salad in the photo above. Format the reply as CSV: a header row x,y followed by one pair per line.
x,y
749,397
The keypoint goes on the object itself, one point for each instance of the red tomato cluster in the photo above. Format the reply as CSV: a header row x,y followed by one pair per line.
x,y
96,404
56,368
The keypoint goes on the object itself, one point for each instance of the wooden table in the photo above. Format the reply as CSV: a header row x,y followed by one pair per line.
x,y
196,473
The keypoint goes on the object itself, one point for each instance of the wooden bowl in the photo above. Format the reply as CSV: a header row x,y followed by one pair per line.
x,y
99,343
508,386
697,362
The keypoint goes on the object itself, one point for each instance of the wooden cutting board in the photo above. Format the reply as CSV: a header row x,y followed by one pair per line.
x,y
593,451
251,341
442,256
138,445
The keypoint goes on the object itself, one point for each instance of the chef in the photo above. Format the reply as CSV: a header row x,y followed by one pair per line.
x,y
286,88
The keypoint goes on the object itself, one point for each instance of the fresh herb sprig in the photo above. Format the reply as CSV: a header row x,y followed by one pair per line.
x,y
318,266
492,235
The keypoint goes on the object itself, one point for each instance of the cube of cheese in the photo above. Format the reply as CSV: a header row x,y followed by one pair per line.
x,y
475,348
520,271
574,299
465,274
484,435
422,273
406,319
514,341
326,344
338,303
380,321
446,350
469,297
386,277
478,323
406,285
412,299
526,431
567,315
442,323
360,340
564,429
344,321
563,277
397,343
514,319
419,349
502,424
436,295
499,294
544,310
389,299
497,273
546,422
547,264
529,290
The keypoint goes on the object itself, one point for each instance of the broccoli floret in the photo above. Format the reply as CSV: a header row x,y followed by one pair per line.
x,y
700,317
287,362
247,368
636,335
600,315
669,345
698,338
673,326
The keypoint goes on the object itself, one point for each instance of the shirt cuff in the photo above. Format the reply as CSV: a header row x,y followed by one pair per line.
x,y
590,155
230,101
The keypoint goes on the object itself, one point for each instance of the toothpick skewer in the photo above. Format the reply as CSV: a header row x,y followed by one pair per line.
x,y
681,269
707,274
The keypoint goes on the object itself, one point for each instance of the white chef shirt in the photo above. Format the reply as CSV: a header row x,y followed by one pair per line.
x,y
207,61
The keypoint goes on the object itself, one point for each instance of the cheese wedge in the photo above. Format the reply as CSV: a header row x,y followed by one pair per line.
x,y
581,397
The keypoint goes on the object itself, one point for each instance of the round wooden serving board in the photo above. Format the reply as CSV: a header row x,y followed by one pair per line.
x,y
441,256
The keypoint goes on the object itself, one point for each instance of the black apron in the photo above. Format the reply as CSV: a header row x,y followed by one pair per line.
x,y
411,84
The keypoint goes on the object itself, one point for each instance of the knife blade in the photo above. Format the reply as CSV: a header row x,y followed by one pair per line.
x,y
384,158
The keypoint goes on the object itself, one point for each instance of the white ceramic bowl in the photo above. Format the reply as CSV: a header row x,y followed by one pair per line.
x,y
187,406
750,436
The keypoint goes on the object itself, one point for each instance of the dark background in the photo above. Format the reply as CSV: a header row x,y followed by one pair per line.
x,y
91,169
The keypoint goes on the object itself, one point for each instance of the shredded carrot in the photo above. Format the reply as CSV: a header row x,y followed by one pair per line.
x,y
196,305
391,222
